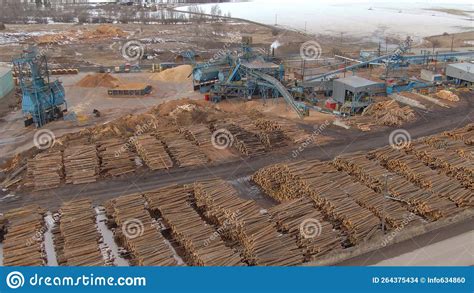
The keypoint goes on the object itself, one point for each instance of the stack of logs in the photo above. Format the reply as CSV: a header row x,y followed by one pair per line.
x,y
183,151
116,158
245,224
46,170
137,232
246,142
153,152
202,244
81,164
76,237
23,243
318,181
424,203
305,223
465,134
200,134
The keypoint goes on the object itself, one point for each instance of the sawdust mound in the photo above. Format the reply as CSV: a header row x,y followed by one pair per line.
x,y
101,32
389,113
447,95
105,30
169,107
177,74
99,80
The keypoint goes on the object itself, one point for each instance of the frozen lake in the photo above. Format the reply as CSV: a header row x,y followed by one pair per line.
x,y
373,19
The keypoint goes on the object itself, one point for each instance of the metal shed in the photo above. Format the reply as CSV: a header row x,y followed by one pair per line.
x,y
6,81
355,89
460,72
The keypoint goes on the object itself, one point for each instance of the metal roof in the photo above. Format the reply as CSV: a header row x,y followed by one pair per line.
x,y
356,81
468,67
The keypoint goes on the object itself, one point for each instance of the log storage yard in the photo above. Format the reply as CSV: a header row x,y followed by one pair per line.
x,y
168,135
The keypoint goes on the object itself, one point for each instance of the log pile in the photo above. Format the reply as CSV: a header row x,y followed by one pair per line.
x,y
138,233
81,164
389,113
76,237
300,219
465,134
185,153
153,152
426,204
271,138
23,245
293,132
202,244
415,171
116,158
200,134
46,170
447,160
262,244
247,143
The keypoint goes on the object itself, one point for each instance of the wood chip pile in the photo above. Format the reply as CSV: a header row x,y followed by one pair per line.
x,y
46,170
262,244
153,152
139,233
306,224
371,173
389,113
76,238
23,244
81,164
203,245
116,158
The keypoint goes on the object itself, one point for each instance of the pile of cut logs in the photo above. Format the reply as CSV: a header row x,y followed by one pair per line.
x,y
116,157
202,244
302,221
138,233
76,237
153,152
262,244
247,143
23,243
200,134
46,170
465,134
424,203
81,164
186,153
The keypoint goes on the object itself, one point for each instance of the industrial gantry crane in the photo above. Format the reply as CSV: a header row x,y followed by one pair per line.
x,y
42,101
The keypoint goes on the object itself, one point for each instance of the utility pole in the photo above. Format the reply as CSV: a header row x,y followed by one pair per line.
x,y
305,25
385,195
452,43
276,19
386,45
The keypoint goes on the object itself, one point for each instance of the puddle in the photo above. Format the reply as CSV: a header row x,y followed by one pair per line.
x,y
50,222
109,244
248,190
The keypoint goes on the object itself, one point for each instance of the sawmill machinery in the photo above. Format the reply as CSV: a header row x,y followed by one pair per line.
x,y
42,101
244,74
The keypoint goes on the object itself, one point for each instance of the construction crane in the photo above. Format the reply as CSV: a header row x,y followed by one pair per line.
x,y
42,101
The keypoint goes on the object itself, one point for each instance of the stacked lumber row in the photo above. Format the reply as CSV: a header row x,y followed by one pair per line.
x,y
442,142
153,152
46,170
421,202
300,219
76,237
185,153
321,182
116,157
245,224
202,244
446,160
138,233
465,134
23,245
200,134
244,141
270,138
424,177
81,164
